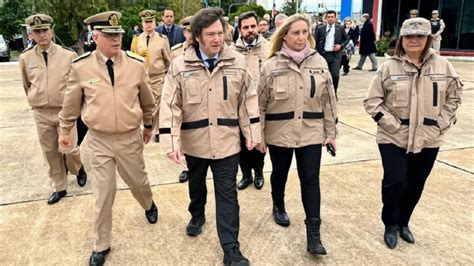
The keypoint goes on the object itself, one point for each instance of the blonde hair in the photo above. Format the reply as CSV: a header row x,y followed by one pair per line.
x,y
276,41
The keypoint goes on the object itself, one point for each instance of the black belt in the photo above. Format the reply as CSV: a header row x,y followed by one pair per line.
x,y
426,122
291,115
230,122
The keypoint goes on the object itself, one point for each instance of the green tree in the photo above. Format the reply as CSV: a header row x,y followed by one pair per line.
x,y
69,16
184,8
290,7
250,7
12,15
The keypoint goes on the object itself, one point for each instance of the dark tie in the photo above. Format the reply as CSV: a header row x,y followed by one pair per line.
x,y
110,68
250,46
45,56
210,61
147,39
329,29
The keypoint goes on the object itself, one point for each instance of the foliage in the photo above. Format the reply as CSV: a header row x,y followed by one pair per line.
x,y
250,7
383,44
289,8
12,15
184,8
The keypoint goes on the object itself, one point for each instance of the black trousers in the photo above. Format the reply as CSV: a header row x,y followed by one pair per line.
x,y
224,172
249,160
345,63
334,64
403,181
308,161
81,130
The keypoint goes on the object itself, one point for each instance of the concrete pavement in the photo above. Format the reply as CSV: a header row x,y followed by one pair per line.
x,y
32,232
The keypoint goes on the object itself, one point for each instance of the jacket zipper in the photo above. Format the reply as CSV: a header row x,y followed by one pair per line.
x,y
313,86
224,80
435,94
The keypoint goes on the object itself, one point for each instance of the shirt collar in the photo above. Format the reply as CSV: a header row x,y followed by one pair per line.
x,y
105,58
204,56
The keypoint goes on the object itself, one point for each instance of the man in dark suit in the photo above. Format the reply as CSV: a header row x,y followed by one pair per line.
x,y
172,31
330,41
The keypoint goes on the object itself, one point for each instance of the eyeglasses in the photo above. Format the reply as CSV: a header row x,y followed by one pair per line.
x,y
418,36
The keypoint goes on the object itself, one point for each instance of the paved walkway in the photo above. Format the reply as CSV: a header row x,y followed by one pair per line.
x,y
31,232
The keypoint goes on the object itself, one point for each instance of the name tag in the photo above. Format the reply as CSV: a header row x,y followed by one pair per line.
x,y
190,74
398,78
276,73
32,66
93,81
229,72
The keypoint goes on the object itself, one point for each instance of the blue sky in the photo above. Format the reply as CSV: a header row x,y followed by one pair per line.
x,y
312,5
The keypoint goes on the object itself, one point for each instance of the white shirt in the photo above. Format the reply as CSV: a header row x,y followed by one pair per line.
x,y
330,32
204,57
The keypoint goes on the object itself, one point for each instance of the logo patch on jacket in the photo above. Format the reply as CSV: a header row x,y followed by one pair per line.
x,y
190,74
93,81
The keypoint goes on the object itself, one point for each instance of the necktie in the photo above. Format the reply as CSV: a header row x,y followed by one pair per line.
x,y
110,68
45,56
147,39
210,61
250,46
329,29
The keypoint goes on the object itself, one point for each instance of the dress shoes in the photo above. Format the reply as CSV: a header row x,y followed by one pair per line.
x,y
183,177
345,73
245,182
98,258
194,227
152,214
280,216
406,234
56,196
259,180
81,177
390,236
373,69
357,68
156,138
235,258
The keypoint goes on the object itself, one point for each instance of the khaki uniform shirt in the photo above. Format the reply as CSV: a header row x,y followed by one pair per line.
x,y
178,50
45,85
414,108
157,54
297,103
201,112
255,57
105,108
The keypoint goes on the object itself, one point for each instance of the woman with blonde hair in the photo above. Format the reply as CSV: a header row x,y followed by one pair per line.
x,y
298,115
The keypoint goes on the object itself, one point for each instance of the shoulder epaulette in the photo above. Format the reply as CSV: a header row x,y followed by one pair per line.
x,y
68,48
135,56
29,48
176,46
81,57
162,35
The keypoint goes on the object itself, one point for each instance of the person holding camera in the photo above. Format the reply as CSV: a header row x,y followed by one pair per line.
x,y
298,115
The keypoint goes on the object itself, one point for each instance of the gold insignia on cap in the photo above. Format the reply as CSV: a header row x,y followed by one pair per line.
x,y
114,20
37,21
148,14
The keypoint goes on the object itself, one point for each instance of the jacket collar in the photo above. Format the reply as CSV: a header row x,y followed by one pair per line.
x,y
51,50
241,44
102,59
410,67
225,57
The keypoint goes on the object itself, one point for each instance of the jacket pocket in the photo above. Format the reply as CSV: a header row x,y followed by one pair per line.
x,y
281,87
435,94
192,92
313,86
401,92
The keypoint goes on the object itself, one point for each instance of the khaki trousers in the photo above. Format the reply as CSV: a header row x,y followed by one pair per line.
x,y
111,153
436,44
58,160
157,86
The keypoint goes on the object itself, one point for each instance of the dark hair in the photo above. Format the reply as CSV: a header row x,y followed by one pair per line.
x,y
205,18
247,15
399,50
331,12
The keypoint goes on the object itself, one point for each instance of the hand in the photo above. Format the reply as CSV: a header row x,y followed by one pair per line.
x,y
147,133
176,156
250,145
337,47
332,142
64,142
262,147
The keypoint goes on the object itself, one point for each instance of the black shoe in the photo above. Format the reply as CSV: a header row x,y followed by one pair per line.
x,y
56,196
194,227
259,180
81,177
280,216
156,138
345,73
373,69
183,177
152,214
98,258
390,236
406,234
235,257
245,182
313,236
357,68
